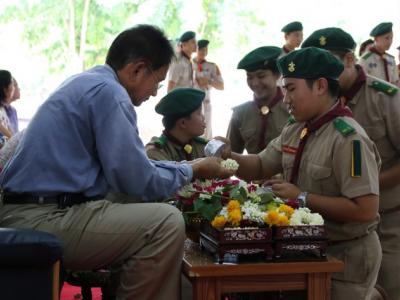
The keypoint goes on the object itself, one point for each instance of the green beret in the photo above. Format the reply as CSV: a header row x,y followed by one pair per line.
x,y
260,58
331,38
381,29
202,43
180,102
310,63
188,35
294,26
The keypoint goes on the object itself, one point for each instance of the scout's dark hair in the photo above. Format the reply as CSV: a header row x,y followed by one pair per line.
x,y
5,81
142,42
333,86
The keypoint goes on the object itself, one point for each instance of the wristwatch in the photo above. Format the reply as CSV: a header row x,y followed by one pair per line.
x,y
302,199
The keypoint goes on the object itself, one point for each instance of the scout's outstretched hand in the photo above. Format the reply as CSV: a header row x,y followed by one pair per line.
x,y
283,189
226,150
210,167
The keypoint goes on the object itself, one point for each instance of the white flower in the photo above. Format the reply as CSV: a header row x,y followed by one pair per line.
x,y
230,164
186,191
303,216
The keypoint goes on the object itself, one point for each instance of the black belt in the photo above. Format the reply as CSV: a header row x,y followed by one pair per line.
x,y
62,200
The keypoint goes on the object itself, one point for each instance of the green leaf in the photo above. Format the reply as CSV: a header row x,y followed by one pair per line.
x,y
208,208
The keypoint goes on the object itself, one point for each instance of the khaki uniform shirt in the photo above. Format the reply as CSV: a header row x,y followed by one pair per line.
x,y
379,114
161,148
325,168
245,126
373,65
208,70
181,72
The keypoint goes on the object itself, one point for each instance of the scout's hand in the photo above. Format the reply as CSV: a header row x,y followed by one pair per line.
x,y
226,151
202,82
210,167
284,189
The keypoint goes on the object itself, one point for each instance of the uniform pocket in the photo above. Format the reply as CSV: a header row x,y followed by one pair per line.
x,y
375,133
319,172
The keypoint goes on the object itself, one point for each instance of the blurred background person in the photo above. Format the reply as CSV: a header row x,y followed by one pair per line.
x,y
376,61
293,36
10,110
207,76
6,94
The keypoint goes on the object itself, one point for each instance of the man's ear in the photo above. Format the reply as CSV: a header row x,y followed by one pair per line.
x,y
136,69
349,59
321,85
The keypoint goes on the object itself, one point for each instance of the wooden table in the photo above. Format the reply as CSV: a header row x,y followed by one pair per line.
x,y
210,280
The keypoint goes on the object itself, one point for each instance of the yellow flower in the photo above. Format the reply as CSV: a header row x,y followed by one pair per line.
x,y
283,220
218,222
286,209
235,216
272,217
233,205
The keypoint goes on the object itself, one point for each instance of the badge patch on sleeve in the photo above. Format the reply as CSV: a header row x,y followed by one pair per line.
x,y
356,159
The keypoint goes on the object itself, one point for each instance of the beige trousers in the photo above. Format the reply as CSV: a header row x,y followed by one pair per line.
x,y
389,273
207,110
362,259
144,240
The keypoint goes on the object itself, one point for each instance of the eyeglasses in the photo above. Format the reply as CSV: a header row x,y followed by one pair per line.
x,y
156,80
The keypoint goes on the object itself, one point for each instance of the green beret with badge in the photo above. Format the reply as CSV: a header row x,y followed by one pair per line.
x,y
331,38
381,29
188,35
291,27
202,43
310,63
180,102
260,58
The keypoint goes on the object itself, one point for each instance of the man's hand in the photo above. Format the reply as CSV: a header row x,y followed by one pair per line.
x,y
226,150
283,189
210,167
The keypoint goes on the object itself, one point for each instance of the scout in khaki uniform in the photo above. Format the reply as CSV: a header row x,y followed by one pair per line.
x,y
375,104
376,61
293,36
207,76
180,73
255,123
330,165
183,122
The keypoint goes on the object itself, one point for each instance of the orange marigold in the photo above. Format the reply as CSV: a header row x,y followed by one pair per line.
x,y
234,217
218,222
233,205
288,210
272,217
283,220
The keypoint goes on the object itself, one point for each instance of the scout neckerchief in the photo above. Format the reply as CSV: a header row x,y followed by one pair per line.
x,y
337,111
199,64
385,63
265,110
286,50
191,68
360,81
186,148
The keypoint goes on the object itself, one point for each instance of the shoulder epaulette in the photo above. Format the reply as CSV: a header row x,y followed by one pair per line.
x,y
385,87
291,120
200,140
366,55
161,141
343,127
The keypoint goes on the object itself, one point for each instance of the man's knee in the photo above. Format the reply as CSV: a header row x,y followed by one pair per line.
x,y
175,222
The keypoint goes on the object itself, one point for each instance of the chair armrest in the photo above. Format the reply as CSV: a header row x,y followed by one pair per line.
x,y
28,248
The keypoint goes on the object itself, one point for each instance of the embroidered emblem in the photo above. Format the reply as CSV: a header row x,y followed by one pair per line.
x,y
291,67
322,40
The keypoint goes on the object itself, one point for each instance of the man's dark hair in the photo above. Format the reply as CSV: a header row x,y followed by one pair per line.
x,y
273,67
169,122
142,42
5,81
333,86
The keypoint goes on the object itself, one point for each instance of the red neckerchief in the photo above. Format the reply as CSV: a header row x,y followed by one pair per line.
x,y
286,50
200,65
173,139
337,111
360,81
385,63
264,118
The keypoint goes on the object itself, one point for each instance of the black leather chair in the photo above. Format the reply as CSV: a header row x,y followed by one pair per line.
x,y
29,265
